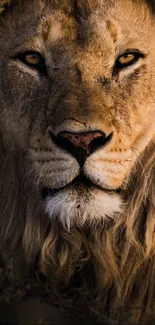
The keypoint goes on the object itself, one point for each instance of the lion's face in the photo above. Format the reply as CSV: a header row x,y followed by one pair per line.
x,y
77,89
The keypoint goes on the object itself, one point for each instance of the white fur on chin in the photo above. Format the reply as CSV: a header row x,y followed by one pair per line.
x,y
77,207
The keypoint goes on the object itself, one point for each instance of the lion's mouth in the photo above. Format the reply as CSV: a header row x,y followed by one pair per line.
x,y
80,182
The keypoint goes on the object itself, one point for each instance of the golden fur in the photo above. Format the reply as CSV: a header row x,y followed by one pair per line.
x,y
110,260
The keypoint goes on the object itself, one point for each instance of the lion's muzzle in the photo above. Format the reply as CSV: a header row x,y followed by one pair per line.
x,y
81,144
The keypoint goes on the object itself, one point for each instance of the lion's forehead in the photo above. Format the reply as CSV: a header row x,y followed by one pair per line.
x,y
84,22
99,24
92,32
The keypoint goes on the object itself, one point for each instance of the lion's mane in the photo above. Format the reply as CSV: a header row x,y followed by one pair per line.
x,y
118,255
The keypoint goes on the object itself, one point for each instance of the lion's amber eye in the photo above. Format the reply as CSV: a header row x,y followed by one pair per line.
x,y
127,58
130,57
33,59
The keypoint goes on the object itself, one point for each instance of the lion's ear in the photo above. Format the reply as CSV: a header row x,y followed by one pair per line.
x,y
4,4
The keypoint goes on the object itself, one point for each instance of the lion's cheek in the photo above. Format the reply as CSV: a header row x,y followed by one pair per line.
x,y
106,173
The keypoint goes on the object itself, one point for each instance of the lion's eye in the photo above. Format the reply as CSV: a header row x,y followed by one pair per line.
x,y
130,57
127,58
33,59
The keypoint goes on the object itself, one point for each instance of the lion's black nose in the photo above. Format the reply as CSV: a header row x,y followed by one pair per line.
x,y
81,145
81,140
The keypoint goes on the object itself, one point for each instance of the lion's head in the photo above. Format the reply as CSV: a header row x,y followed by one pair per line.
x,y
77,126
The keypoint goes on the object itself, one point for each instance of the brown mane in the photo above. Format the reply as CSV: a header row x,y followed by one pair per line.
x,y
118,255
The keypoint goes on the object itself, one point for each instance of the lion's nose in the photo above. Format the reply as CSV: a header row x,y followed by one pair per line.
x,y
81,140
81,145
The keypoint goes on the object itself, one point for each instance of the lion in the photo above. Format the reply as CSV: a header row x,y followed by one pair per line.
x,y
77,158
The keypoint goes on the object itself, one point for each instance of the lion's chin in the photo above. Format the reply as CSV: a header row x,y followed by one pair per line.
x,y
80,204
